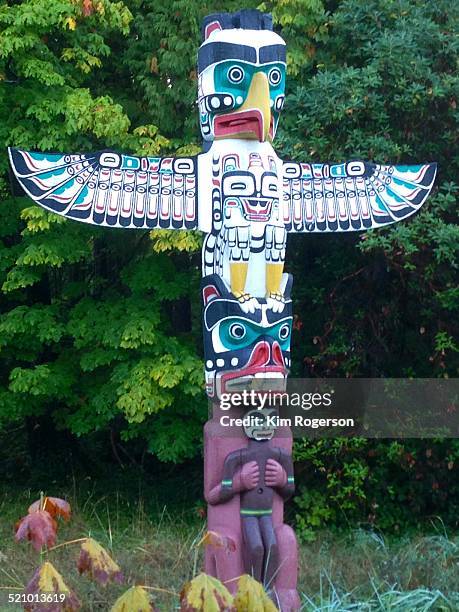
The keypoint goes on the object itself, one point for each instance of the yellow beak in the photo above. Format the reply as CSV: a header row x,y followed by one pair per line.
x,y
258,99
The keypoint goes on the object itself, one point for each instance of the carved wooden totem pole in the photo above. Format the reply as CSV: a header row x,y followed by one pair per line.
x,y
246,200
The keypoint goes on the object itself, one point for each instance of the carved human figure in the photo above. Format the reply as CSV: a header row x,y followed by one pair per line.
x,y
255,472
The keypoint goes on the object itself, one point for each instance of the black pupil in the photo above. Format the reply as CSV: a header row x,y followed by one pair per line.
x,y
235,74
275,76
237,331
284,332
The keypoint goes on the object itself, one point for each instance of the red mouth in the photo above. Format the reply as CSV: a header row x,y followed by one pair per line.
x,y
258,217
254,213
244,122
261,355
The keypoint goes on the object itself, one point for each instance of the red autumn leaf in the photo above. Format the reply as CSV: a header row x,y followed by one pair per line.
x,y
39,528
96,561
55,506
88,8
47,583
213,538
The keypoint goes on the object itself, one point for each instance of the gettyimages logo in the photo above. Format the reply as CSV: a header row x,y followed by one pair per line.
x,y
275,399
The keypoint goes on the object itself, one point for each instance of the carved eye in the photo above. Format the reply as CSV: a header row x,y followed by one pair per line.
x,y
235,74
269,186
284,331
274,76
279,103
237,331
238,186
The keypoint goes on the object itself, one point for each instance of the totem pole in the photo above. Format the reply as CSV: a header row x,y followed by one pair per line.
x,y
246,200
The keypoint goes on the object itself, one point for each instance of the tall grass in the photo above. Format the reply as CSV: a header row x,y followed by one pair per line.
x,y
356,570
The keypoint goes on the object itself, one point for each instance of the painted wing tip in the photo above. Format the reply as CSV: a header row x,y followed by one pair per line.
x,y
12,152
434,169
15,185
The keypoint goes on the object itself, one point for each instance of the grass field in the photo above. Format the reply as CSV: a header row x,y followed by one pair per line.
x,y
356,570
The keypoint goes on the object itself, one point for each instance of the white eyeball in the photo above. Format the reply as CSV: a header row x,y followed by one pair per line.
x,y
237,331
274,76
284,331
235,74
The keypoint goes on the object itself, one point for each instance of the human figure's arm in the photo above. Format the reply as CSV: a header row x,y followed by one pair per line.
x,y
279,474
234,478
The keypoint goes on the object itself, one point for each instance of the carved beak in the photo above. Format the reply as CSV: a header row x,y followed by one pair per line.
x,y
258,99
253,119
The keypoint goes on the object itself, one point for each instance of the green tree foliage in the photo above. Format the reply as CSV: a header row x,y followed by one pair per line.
x,y
88,330
100,330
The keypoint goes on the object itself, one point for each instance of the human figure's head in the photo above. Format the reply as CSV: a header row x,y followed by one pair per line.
x,y
259,427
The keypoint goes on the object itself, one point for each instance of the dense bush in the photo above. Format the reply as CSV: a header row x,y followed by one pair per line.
x,y
100,331
384,86
387,484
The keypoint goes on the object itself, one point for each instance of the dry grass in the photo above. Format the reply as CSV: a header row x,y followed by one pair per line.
x,y
356,571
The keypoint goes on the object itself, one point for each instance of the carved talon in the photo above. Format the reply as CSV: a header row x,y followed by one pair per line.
x,y
275,295
242,297
276,301
248,302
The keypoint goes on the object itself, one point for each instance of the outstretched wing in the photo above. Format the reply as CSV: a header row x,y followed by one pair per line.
x,y
352,197
112,189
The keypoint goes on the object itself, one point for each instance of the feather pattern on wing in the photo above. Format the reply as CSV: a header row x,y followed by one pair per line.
x,y
352,197
111,189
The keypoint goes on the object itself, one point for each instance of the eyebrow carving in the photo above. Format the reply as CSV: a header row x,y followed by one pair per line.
x,y
218,51
272,53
